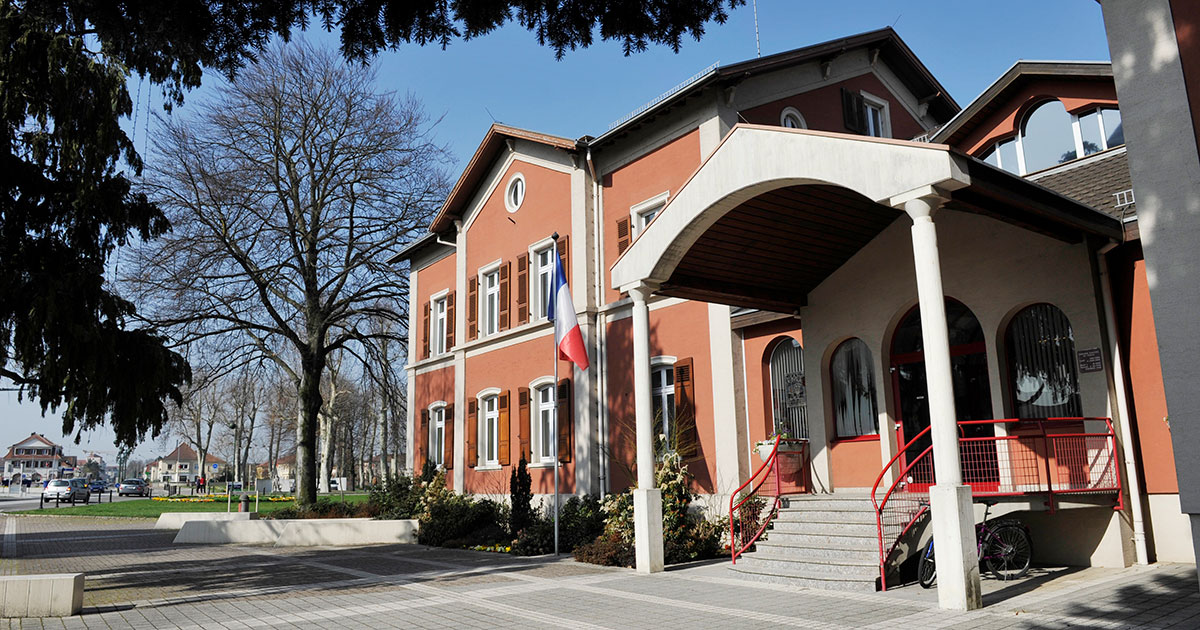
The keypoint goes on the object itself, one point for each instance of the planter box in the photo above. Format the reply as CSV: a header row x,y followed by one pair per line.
x,y
51,595
299,532
175,520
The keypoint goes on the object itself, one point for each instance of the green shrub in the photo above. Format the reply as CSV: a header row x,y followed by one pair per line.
x,y
520,494
579,521
536,538
609,549
452,520
327,508
428,471
396,498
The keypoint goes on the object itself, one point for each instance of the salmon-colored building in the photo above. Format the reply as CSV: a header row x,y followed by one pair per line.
x,y
748,255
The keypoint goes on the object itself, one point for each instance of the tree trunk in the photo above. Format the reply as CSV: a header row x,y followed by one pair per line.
x,y
306,430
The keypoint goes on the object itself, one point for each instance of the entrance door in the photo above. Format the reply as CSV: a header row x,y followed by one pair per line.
x,y
972,394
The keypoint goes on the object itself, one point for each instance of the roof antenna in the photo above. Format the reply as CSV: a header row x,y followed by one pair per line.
x,y
757,45
489,112
896,20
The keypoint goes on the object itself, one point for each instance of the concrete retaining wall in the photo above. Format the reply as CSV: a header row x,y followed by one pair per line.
x,y
51,595
175,520
299,533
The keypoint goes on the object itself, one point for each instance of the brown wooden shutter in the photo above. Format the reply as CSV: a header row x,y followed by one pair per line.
x,y
623,235
505,443
523,419
472,308
853,115
448,451
450,322
472,433
422,443
522,289
425,319
504,297
687,442
566,432
564,253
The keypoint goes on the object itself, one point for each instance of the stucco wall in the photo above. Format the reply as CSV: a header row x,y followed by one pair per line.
x,y
1002,123
822,107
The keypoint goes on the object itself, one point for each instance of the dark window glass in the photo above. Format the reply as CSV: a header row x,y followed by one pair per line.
x,y
852,379
1041,356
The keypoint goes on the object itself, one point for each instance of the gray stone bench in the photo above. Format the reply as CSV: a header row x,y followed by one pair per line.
x,y
49,595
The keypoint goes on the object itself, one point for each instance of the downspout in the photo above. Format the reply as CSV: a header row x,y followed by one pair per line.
x,y
1118,374
601,329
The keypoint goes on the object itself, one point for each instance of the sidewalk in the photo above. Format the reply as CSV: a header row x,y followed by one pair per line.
x,y
135,578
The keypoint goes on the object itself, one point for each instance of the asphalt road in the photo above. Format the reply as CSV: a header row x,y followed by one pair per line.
x,y
29,501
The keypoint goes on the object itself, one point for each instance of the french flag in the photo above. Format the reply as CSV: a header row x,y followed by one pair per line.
x,y
561,311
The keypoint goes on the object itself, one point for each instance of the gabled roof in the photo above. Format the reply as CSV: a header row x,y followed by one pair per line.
x,y
895,53
1012,80
186,453
494,140
36,437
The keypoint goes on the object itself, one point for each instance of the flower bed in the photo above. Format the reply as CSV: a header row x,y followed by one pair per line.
x,y
213,498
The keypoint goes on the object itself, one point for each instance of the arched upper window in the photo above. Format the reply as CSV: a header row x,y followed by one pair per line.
x,y
791,118
1049,135
789,405
962,328
852,387
1041,355
1046,137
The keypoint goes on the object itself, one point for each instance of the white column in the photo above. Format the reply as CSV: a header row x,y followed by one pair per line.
x,y
950,501
647,499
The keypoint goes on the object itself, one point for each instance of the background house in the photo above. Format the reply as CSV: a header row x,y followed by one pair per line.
x,y
180,466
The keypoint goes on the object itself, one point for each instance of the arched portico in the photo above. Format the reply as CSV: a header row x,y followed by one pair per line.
x,y
771,214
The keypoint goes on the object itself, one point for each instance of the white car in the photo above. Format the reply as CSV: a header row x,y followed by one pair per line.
x,y
67,490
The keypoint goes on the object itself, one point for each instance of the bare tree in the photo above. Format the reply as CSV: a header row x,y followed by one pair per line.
x,y
244,397
195,419
287,193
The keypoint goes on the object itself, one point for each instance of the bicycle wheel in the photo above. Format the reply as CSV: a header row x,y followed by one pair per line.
x,y
926,569
1008,552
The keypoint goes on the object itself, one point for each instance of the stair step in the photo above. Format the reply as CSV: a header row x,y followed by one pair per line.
x,y
754,562
833,541
846,529
824,584
827,516
818,554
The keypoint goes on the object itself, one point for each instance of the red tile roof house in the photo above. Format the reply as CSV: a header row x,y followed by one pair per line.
x,y
820,243
36,458
182,465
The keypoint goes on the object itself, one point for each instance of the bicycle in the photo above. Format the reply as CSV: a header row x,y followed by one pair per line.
x,y
1003,545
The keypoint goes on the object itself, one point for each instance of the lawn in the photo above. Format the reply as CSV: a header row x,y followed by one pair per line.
x,y
145,508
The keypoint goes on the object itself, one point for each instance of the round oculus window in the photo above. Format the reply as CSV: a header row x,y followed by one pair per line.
x,y
790,117
514,195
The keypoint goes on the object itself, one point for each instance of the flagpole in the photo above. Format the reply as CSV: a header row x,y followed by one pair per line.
x,y
554,434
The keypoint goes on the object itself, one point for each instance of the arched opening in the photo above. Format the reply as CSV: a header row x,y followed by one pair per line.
x,y
789,400
1043,375
1047,137
968,366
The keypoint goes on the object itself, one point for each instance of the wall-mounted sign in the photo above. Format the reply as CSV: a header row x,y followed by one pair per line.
x,y
1090,360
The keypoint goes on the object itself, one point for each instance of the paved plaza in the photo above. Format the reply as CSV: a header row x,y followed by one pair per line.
x,y
137,579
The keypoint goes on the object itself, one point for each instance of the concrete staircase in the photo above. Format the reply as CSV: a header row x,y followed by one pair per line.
x,y
826,541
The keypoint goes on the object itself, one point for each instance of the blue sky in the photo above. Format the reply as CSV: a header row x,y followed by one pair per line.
x,y
965,44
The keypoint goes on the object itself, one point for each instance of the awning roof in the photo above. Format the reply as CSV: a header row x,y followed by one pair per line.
x,y
774,211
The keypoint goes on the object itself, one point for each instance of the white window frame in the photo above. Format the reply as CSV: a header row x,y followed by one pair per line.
x,y
885,114
437,442
439,323
659,364
537,309
639,212
537,435
1076,133
484,417
510,204
489,325
792,112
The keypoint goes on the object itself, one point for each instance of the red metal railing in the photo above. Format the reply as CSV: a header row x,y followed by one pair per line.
x,y
1051,456
755,503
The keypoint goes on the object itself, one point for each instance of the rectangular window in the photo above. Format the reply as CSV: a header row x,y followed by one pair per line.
x,y
491,303
437,450
1091,133
543,279
183,478
875,124
437,340
545,413
662,392
183,467
491,431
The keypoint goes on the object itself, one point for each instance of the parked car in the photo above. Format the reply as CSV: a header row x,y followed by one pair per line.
x,y
134,486
66,490
97,486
